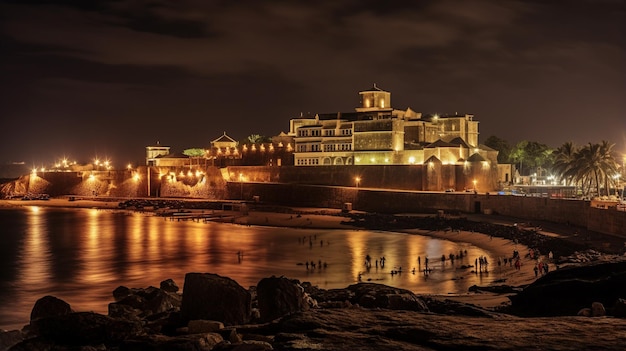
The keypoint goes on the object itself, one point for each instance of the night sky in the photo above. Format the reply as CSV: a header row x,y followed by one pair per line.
x,y
88,78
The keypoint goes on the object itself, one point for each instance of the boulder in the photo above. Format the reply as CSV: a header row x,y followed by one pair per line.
x,y
49,306
86,328
162,301
118,310
372,295
454,308
10,338
121,292
619,308
230,334
565,291
169,285
212,297
280,296
202,326
598,310
148,301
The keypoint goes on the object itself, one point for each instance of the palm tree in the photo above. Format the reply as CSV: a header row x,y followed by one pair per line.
x,y
608,164
593,163
564,162
518,154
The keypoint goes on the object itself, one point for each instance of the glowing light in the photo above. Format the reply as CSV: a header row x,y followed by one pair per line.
x,y
136,177
129,166
34,172
198,173
92,177
412,160
357,180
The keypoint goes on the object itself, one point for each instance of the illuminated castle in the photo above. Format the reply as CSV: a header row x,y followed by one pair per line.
x,y
377,134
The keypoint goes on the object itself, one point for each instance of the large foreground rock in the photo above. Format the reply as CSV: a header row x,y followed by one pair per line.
x,y
213,297
86,328
348,329
49,306
373,295
568,290
279,296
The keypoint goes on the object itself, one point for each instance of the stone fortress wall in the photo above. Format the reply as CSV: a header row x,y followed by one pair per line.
x,y
334,187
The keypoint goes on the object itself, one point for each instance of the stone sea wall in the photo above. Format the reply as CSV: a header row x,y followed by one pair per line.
x,y
574,212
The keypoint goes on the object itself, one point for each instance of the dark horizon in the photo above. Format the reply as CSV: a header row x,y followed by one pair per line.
x,y
105,79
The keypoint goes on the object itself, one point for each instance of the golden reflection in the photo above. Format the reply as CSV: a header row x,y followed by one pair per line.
x,y
92,250
135,251
357,246
34,262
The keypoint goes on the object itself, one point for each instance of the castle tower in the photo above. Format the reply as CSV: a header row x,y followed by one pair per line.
x,y
374,99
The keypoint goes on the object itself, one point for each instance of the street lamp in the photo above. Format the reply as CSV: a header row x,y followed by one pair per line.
x,y
357,180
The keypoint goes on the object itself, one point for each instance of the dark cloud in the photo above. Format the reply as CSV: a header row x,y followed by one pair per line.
x,y
185,71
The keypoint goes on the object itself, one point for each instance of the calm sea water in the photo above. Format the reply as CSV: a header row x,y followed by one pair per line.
x,y
82,255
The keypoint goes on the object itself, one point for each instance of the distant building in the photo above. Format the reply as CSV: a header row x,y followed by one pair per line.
x,y
154,151
377,134
223,151
224,143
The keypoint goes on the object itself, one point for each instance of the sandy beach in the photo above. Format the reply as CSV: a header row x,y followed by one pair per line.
x,y
498,246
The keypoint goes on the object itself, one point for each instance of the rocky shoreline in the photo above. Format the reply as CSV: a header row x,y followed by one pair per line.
x,y
216,313
579,306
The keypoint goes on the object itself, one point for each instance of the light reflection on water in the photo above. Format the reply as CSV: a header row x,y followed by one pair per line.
x,y
82,255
